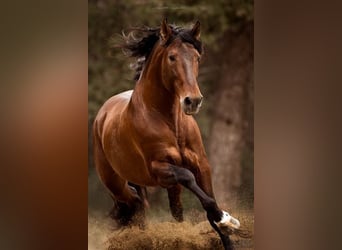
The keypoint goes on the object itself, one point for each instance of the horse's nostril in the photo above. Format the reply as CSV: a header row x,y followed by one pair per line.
x,y
187,100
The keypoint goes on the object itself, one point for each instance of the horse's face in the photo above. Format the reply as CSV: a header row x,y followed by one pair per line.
x,y
180,71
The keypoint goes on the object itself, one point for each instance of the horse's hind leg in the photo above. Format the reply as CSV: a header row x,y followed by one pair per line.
x,y
128,207
141,191
175,202
127,212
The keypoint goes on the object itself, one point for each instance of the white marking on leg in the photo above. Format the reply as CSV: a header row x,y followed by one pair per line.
x,y
228,220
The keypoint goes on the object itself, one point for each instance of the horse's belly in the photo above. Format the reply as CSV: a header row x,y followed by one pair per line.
x,y
120,150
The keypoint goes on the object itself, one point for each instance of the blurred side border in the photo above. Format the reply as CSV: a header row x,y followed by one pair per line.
x,y
297,123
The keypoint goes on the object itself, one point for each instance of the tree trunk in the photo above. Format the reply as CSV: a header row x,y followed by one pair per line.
x,y
231,115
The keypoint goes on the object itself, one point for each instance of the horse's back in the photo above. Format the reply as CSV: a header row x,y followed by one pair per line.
x,y
115,103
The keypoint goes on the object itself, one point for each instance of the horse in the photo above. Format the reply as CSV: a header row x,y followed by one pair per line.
x,y
148,136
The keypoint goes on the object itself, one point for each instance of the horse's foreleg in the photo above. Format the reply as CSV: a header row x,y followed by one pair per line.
x,y
170,175
175,202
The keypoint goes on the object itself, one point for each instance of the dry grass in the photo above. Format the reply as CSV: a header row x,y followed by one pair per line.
x,y
168,235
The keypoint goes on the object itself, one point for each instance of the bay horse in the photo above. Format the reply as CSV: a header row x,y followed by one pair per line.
x,y
148,136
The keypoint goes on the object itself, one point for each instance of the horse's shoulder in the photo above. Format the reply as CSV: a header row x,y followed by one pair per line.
x,y
193,140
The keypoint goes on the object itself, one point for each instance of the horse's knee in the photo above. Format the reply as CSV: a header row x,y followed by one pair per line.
x,y
184,176
164,174
169,175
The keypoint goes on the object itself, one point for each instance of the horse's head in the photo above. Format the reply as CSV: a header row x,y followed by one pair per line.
x,y
181,54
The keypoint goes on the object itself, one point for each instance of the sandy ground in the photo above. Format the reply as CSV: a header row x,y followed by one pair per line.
x,y
198,235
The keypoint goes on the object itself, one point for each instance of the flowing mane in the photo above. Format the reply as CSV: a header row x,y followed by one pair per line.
x,y
139,42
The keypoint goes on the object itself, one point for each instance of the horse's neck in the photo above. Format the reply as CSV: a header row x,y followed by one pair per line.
x,y
151,94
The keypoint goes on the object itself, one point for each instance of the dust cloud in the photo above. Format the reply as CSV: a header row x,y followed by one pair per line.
x,y
100,229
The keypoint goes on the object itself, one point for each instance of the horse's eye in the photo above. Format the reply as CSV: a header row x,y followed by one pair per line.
x,y
172,58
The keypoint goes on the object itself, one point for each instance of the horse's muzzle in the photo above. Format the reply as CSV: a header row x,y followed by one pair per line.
x,y
191,105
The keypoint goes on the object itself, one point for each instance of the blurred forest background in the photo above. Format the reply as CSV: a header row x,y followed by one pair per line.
x,y
225,79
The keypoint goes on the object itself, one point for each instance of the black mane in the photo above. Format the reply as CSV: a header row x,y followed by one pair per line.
x,y
139,42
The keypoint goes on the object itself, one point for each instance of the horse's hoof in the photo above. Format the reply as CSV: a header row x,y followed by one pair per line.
x,y
228,221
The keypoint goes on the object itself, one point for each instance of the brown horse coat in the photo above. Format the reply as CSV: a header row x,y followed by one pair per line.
x,y
147,136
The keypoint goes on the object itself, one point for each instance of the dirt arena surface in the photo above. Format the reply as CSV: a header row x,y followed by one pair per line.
x,y
169,235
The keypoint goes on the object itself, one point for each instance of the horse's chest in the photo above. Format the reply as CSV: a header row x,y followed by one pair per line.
x,y
184,157
181,155
189,158
187,155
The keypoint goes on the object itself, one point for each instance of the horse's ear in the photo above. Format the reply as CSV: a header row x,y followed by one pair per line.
x,y
196,30
165,31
